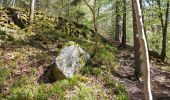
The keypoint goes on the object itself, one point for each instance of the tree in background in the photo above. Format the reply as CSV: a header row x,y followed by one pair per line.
x,y
142,8
78,15
118,26
1,2
93,11
137,53
164,26
77,12
144,50
68,9
123,44
32,8
12,3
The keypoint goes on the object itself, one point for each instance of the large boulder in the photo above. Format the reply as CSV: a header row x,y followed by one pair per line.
x,y
69,61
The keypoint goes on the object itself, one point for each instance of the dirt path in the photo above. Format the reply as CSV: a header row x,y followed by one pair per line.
x,y
160,79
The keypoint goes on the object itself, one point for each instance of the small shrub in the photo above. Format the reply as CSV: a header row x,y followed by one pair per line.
x,y
85,92
23,80
118,89
61,86
104,57
154,42
29,92
88,70
2,35
97,71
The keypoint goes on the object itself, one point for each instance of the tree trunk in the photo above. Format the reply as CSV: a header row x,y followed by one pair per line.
x,y
93,10
4,3
137,53
31,16
118,32
160,14
1,2
95,27
68,9
144,51
141,6
12,3
123,44
164,34
97,15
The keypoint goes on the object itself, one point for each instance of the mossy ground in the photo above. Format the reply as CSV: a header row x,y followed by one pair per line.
x,y
25,54
23,61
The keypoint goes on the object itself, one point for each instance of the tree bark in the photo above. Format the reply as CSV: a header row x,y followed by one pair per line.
x,y
93,10
12,3
123,44
160,14
137,53
1,2
95,27
144,51
5,3
32,8
164,26
68,9
141,6
118,32
164,34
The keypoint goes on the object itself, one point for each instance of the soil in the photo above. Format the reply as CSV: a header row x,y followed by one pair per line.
x,y
160,79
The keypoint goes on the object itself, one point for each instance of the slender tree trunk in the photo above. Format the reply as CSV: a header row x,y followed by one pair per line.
x,y
144,51
97,15
93,10
61,9
118,32
77,19
137,53
123,44
164,34
32,8
95,27
68,9
141,6
160,14
12,3
5,3
164,26
1,2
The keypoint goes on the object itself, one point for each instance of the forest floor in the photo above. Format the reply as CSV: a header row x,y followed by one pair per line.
x,y
25,57
160,79
23,63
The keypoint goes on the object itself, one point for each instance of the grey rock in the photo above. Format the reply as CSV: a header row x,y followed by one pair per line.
x,y
69,61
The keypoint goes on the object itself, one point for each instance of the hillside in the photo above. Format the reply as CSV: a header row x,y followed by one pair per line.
x,y
27,52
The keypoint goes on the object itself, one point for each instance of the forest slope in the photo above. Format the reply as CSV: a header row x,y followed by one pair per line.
x,y
25,56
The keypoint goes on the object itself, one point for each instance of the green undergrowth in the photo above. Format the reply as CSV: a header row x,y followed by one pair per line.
x,y
25,53
166,68
119,90
2,35
75,88
21,70
104,60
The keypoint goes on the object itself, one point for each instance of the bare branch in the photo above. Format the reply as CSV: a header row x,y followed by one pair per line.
x,y
89,6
